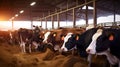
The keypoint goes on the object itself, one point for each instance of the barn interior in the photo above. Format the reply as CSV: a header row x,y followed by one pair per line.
x,y
53,11
52,15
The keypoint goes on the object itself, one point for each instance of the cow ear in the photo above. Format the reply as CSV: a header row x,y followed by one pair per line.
x,y
111,37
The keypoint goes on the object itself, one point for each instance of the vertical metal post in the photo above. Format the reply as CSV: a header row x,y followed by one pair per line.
x,y
12,25
74,18
52,19
58,19
67,4
41,22
94,13
66,17
76,2
46,23
86,14
31,18
31,24
43,19
114,20
114,16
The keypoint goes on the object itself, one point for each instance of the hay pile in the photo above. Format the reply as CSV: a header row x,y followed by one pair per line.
x,y
10,56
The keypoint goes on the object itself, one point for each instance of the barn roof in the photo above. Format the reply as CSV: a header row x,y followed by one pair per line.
x,y
8,8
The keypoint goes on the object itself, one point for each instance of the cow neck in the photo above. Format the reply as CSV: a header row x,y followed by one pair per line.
x,y
92,45
111,58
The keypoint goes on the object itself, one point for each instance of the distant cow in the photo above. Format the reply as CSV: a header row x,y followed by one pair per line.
x,y
23,36
54,38
106,42
29,37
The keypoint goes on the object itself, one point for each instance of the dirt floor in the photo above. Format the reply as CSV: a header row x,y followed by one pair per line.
x,y
10,56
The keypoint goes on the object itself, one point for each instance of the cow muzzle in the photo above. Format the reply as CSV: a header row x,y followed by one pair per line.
x,y
90,51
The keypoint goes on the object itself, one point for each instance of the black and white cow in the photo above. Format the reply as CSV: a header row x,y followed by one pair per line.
x,y
81,41
106,42
23,37
29,37
53,38
56,37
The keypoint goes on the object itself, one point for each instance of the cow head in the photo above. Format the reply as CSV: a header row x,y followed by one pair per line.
x,y
102,45
92,47
49,37
69,41
105,41
101,41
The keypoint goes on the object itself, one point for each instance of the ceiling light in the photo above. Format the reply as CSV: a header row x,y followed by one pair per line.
x,y
21,11
16,15
33,3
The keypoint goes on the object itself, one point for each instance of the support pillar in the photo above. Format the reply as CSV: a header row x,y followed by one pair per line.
x,y
94,14
86,14
52,19
74,18
46,23
58,19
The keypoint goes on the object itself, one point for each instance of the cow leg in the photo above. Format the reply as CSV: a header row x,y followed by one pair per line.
x,y
22,45
35,44
24,48
111,58
30,48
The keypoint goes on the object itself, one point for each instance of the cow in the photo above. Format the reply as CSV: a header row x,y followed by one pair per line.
x,y
81,41
53,38
29,37
56,37
106,42
23,37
